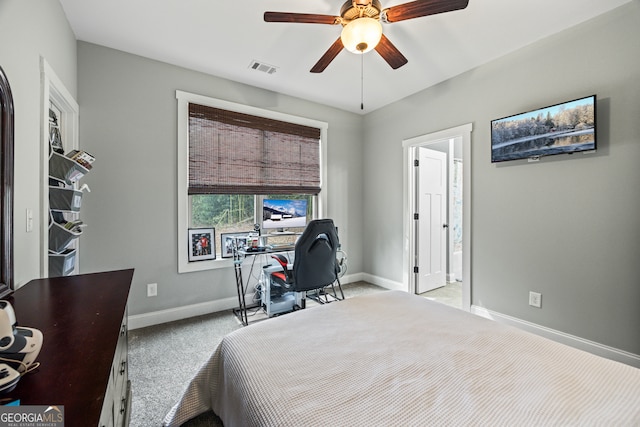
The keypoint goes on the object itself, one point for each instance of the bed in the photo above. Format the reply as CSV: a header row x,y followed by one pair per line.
x,y
392,358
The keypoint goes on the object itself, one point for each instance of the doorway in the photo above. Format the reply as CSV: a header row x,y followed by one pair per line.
x,y
431,171
449,231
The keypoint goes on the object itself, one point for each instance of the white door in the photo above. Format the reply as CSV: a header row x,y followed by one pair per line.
x,y
431,223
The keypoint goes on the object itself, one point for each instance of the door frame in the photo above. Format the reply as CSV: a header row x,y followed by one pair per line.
x,y
409,206
54,92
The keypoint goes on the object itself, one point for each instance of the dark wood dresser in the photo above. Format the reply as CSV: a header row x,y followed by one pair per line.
x,y
83,361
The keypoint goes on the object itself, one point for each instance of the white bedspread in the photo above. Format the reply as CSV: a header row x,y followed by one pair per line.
x,y
395,359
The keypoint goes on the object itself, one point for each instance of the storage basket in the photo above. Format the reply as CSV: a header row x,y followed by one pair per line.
x,y
62,264
64,199
64,169
60,237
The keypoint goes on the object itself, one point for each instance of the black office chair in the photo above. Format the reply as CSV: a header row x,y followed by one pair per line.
x,y
315,267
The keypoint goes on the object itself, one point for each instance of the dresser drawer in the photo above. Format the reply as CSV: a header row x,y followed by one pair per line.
x,y
117,402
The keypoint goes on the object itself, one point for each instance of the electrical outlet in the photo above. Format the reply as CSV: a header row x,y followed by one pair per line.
x,y
535,299
152,289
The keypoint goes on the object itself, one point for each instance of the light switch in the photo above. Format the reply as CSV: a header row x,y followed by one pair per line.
x,y
29,220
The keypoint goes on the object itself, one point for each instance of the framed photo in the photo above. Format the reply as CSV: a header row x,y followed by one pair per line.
x,y
227,240
202,244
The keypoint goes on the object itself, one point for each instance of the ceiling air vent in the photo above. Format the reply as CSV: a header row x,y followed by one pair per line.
x,y
261,66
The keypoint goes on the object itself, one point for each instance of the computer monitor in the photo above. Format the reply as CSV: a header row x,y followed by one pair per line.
x,y
283,214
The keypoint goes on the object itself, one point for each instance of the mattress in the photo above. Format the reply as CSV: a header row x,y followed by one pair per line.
x,y
392,358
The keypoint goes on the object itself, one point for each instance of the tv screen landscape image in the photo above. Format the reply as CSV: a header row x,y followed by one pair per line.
x,y
564,128
283,214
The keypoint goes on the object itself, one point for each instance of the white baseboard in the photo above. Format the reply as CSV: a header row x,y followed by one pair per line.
x,y
561,337
137,321
381,281
351,278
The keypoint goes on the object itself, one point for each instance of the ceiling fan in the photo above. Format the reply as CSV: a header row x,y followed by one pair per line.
x,y
362,29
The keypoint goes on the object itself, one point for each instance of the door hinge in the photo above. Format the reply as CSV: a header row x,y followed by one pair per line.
x,y
416,162
416,216
415,269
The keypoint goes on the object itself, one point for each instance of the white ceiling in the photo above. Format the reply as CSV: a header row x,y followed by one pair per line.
x,y
222,38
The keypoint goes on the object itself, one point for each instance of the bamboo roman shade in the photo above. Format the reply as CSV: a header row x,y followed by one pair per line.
x,y
235,153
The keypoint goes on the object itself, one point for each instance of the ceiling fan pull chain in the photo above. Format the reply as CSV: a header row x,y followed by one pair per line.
x,y
362,81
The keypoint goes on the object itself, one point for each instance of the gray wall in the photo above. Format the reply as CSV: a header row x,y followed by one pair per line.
x,y
29,30
129,122
567,226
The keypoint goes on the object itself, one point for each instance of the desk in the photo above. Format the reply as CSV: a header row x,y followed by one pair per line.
x,y
239,255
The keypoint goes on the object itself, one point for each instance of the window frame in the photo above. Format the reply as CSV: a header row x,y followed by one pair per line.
x,y
184,98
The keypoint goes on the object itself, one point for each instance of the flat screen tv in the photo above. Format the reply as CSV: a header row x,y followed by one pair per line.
x,y
564,128
283,214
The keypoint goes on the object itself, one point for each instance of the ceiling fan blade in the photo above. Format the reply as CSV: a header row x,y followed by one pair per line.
x,y
416,9
390,53
304,18
328,56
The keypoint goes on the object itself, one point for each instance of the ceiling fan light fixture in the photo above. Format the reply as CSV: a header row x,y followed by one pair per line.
x,y
361,35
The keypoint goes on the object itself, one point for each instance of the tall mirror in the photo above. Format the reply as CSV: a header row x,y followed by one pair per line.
x,y
6,184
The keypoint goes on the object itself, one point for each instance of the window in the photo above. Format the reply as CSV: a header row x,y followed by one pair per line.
x,y
225,213
231,157
234,213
